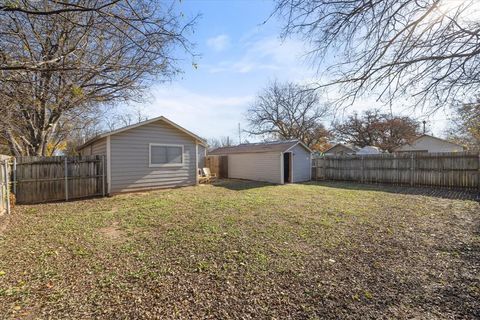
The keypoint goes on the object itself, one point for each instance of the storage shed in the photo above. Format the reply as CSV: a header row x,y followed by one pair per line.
x,y
156,153
276,162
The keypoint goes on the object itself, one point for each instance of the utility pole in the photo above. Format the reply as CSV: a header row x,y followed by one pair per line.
x,y
239,134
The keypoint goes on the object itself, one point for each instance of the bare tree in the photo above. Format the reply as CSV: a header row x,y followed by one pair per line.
x,y
223,141
124,118
74,63
72,134
373,128
465,125
288,111
116,13
428,49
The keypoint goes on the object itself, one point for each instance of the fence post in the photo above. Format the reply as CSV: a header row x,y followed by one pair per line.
x,y
363,168
412,169
319,170
103,176
66,178
7,187
14,175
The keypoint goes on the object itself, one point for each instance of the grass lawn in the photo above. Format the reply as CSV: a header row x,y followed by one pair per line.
x,y
244,250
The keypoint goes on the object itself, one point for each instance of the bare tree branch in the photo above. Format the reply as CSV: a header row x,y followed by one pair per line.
x,y
288,111
58,66
465,125
428,50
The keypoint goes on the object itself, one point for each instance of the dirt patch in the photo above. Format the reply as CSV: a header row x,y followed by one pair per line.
x,y
112,232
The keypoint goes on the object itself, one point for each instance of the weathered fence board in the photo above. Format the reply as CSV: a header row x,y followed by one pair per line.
x,y
218,165
42,179
4,184
450,170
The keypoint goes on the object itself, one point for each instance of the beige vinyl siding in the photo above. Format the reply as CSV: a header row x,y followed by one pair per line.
x,y
86,151
301,164
430,144
130,159
99,147
255,166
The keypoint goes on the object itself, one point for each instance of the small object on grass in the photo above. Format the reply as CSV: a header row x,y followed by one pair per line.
x,y
331,261
2,273
368,294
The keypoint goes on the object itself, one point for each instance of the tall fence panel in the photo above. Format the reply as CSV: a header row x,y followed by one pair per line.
x,y
218,165
4,184
43,179
450,170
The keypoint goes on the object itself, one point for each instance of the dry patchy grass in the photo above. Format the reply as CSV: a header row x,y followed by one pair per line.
x,y
243,250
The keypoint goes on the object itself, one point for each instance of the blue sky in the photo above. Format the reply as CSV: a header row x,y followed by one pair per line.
x,y
239,55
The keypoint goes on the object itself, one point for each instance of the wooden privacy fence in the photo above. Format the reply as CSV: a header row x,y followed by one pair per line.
x,y
450,170
42,179
218,165
4,184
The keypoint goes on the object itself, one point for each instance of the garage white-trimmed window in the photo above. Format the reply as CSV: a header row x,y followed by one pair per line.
x,y
165,155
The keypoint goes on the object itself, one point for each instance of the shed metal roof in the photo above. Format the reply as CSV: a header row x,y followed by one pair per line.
x,y
274,146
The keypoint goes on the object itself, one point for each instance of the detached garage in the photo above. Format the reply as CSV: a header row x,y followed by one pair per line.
x,y
276,162
156,153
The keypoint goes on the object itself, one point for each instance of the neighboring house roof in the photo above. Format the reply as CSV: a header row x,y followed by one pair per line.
x,y
351,147
428,136
274,146
369,150
139,124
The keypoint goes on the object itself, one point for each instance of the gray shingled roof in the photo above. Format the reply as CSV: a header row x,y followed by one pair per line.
x,y
275,146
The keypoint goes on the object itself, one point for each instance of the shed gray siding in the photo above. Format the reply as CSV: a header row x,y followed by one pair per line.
x,y
129,161
97,148
255,166
302,164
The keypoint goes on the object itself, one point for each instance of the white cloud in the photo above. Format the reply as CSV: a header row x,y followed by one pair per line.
x,y
206,115
269,54
219,43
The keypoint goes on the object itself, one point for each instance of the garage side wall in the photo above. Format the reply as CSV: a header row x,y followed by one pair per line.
x,y
99,147
130,168
301,164
255,166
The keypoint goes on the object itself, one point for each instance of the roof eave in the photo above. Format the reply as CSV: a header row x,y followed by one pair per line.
x,y
302,144
136,125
